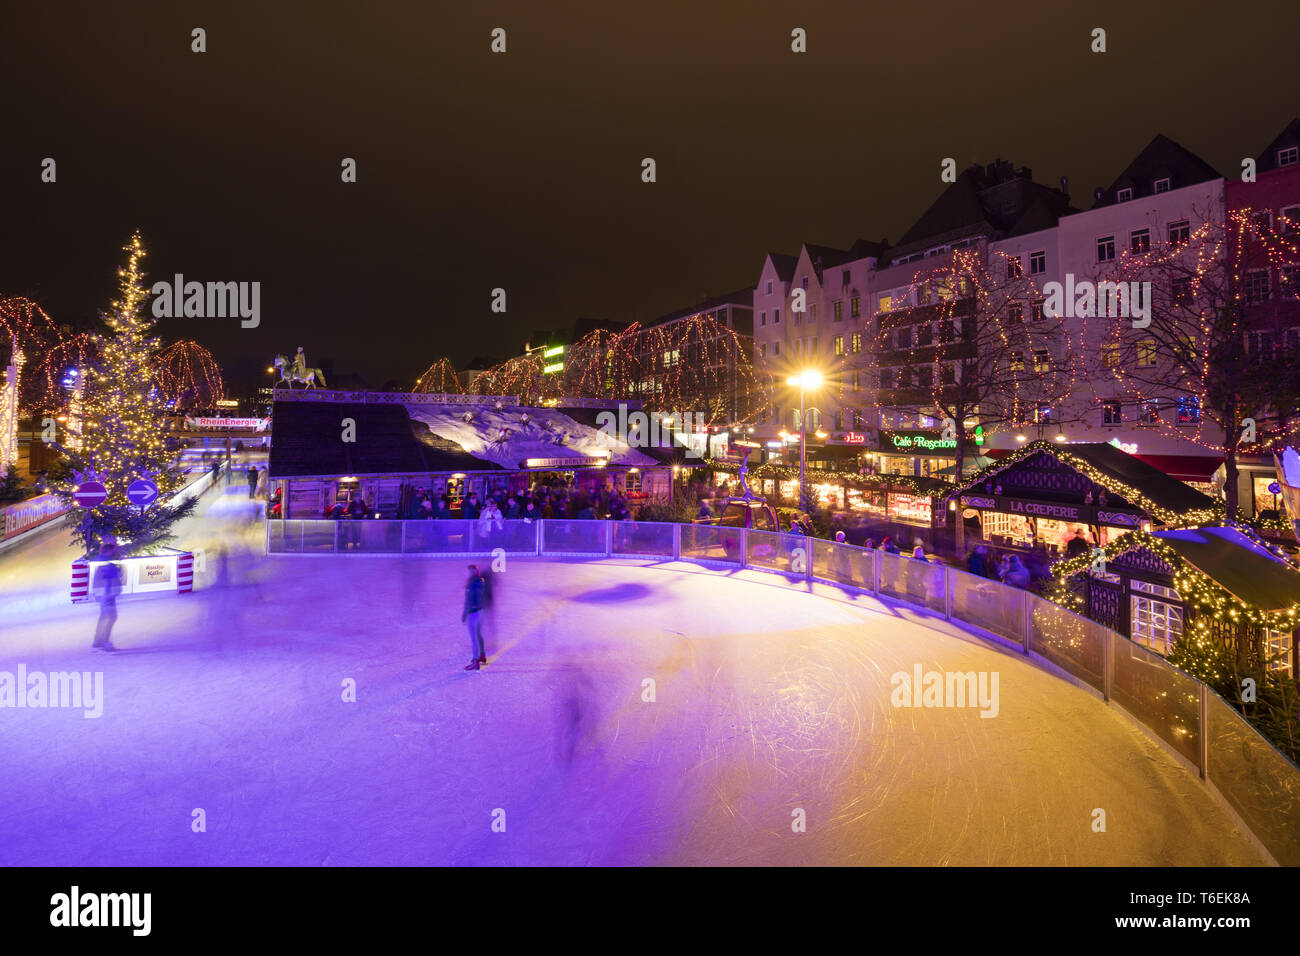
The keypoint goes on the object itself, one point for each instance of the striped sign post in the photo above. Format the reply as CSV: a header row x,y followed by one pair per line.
x,y
185,572
80,581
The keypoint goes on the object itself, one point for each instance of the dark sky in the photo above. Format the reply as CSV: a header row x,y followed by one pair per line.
x,y
522,170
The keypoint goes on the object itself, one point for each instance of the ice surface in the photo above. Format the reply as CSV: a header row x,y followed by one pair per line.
x,y
768,700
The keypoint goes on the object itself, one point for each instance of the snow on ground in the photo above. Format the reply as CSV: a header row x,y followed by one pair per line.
x,y
500,436
767,700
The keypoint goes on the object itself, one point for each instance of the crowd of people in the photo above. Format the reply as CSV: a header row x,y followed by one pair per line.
x,y
541,501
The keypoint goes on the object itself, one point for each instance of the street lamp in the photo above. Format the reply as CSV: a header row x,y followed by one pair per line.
x,y
806,381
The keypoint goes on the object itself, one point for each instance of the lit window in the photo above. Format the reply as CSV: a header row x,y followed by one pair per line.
x,y
1042,360
1189,410
1154,624
1146,353
1017,361
1110,355
857,341
886,303
839,345
1278,651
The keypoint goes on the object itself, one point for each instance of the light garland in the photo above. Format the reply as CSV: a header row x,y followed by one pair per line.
x,y
1165,516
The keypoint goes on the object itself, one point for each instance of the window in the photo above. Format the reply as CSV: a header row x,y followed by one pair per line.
x,y
903,337
814,345
1277,651
855,309
1149,412
776,316
886,303
769,287
1254,288
1017,361
1110,355
1289,218
1180,291
1139,241
857,341
838,309
1112,413
1124,195
886,378
1179,232
1039,312
722,315
1105,248
925,376
1155,624
1288,156
857,383
1038,262
904,378
924,334
1162,185
1146,353
1291,278
1015,314
949,374
1042,414
1042,360
762,318
1189,410
839,345
1014,268
803,283
1262,220
812,312
776,348
844,278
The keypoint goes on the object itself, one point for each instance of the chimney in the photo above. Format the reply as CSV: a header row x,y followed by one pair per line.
x,y
1065,187
1098,194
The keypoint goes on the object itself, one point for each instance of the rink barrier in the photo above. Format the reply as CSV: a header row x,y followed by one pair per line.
x,y
1251,779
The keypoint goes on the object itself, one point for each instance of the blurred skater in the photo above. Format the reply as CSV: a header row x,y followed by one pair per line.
x,y
262,483
472,617
252,480
108,585
572,714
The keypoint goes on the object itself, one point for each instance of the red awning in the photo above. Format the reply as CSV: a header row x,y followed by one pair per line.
x,y
1184,467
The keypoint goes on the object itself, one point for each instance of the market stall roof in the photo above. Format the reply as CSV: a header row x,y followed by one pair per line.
x,y
1244,568
307,442
1120,474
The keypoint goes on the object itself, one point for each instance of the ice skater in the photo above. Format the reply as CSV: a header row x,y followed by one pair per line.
x,y
252,480
108,585
472,617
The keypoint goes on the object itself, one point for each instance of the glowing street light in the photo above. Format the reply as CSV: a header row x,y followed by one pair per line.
x,y
807,380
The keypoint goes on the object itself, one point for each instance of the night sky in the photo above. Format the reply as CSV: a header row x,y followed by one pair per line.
x,y
522,170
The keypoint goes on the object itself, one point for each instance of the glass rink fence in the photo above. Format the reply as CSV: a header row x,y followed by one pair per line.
x,y
1259,783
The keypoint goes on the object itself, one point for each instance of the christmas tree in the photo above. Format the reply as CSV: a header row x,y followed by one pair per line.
x,y
123,435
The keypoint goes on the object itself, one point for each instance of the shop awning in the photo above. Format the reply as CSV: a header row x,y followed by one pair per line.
x,y
1184,467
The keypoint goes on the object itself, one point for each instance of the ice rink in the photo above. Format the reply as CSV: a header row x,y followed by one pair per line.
x,y
769,702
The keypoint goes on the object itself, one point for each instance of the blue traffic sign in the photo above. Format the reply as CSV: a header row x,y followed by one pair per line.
x,y
142,492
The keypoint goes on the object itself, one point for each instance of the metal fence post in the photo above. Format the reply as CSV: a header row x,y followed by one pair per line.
x,y
808,558
1108,664
1205,732
949,580
875,573
1026,621
609,539
541,537
744,547
677,542
403,537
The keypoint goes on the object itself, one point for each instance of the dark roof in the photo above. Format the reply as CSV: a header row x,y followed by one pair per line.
x,y
1290,136
1242,567
1117,469
307,442
1161,159
999,200
741,297
784,265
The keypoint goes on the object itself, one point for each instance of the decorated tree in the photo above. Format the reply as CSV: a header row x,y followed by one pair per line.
x,y
439,378
188,377
971,344
1216,363
123,437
